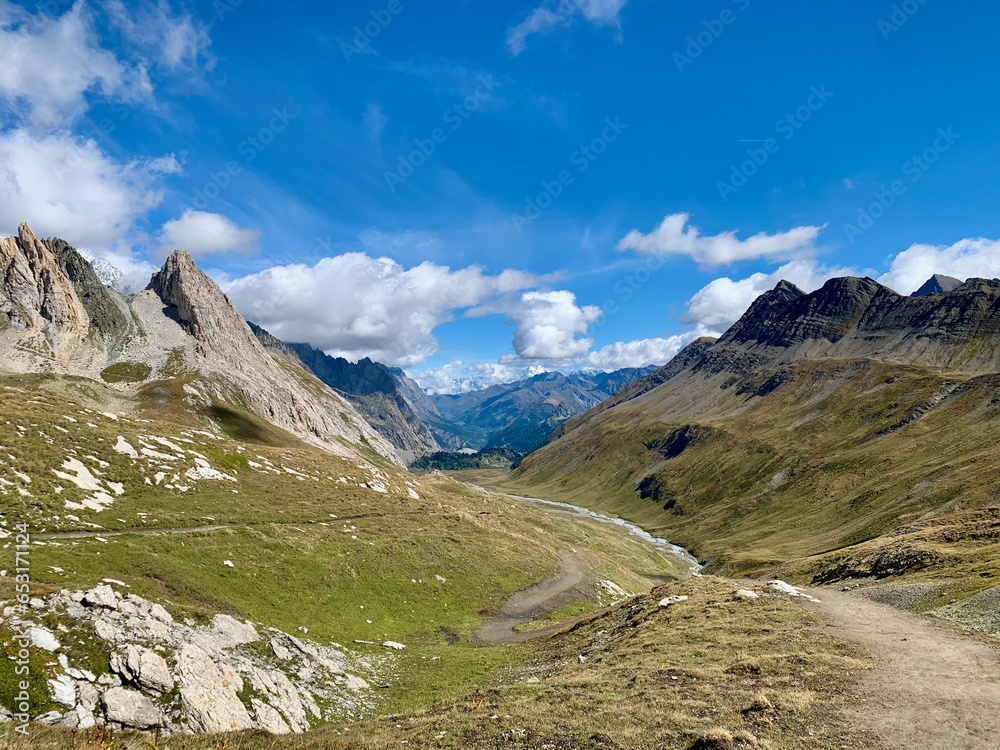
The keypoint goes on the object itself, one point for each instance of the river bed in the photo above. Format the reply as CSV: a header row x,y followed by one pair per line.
x,y
662,545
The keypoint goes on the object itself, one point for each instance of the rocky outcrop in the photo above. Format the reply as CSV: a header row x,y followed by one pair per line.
x,y
183,677
43,322
239,370
369,386
130,709
33,288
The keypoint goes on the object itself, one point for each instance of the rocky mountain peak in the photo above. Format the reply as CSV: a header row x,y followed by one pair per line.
x,y
202,307
787,316
938,284
34,290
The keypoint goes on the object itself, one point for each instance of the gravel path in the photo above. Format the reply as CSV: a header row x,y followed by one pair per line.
x,y
573,582
934,687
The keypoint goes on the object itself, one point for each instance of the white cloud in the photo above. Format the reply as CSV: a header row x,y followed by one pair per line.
x,y
67,186
552,15
548,325
48,65
200,234
644,352
721,303
174,41
355,306
675,237
965,259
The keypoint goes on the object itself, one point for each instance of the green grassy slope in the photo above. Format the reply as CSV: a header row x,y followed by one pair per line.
x,y
829,454
348,550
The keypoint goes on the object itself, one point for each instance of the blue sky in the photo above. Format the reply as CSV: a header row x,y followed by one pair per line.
x,y
478,190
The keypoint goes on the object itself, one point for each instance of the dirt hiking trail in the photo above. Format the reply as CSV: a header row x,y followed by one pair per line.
x,y
568,585
934,688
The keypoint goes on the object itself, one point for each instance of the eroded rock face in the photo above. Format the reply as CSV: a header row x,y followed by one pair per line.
x,y
33,288
143,666
43,323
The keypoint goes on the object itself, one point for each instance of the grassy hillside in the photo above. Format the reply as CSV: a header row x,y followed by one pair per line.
x,y
226,514
816,457
714,672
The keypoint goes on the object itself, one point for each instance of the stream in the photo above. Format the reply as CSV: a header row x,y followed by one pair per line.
x,y
661,545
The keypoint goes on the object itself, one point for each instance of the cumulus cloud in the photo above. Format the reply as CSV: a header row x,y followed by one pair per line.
x,y
644,352
675,237
173,40
68,186
721,303
562,13
549,324
355,306
49,64
201,234
965,259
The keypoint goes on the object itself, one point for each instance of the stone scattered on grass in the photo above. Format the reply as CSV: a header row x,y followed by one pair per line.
x,y
671,600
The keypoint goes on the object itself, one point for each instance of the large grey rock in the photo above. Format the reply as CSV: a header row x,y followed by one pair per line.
x,y
101,596
107,631
131,709
63,691
90,696
208,693
234,630
144,667
268,718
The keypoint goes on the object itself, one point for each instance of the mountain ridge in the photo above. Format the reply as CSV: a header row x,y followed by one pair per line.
x,y
753,442
58,318
370,386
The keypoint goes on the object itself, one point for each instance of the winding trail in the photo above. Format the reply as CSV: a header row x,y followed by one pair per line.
x,y
933,688
573,582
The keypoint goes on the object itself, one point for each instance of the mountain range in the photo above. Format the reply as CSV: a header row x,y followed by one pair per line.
x,y
63,315
815,422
